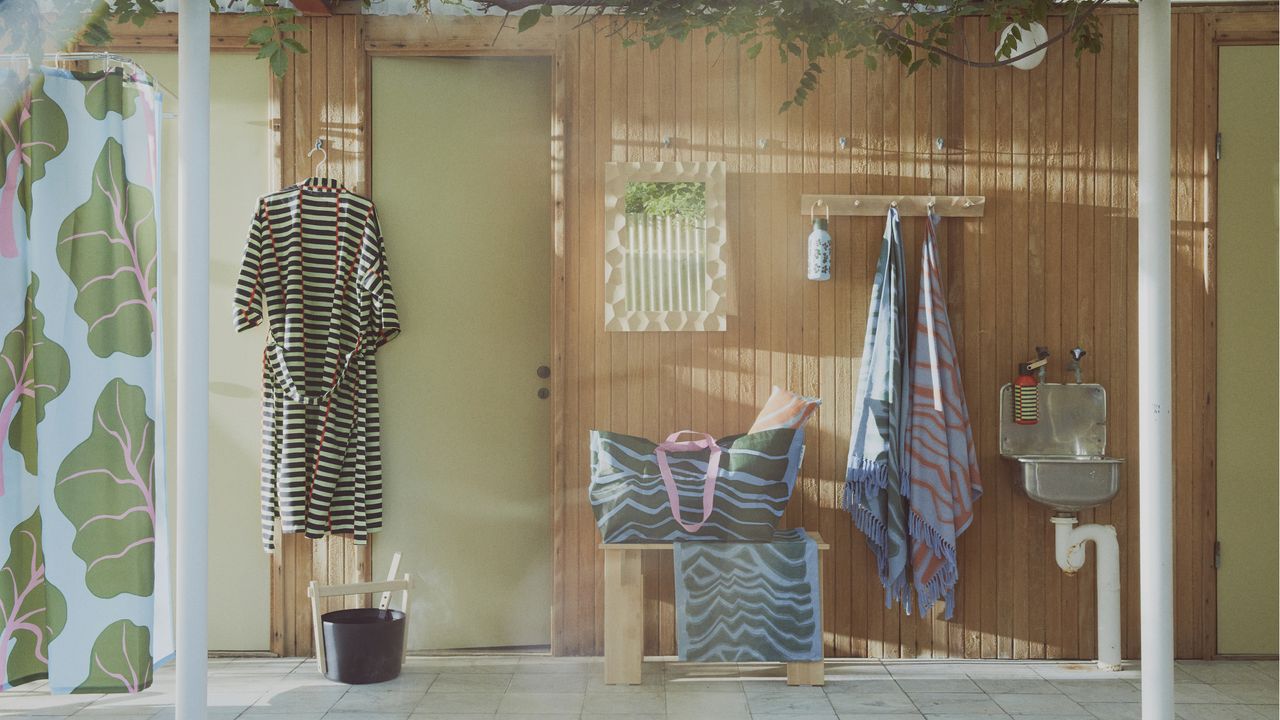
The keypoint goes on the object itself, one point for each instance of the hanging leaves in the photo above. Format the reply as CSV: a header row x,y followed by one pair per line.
x,y
106,489
107,246
120,660
32,610
914,35
33,371
32,132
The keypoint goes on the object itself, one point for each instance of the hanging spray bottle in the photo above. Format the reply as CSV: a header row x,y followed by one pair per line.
x,y
1026,389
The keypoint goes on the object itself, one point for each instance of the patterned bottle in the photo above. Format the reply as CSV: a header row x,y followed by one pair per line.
x,y
820,251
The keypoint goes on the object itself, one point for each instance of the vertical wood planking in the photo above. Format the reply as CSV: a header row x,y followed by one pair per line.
x,y
1052,262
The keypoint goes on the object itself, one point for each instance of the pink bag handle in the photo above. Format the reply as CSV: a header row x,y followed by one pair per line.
x,y
672,444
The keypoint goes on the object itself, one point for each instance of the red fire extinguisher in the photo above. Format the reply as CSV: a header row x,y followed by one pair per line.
x,y
1026,389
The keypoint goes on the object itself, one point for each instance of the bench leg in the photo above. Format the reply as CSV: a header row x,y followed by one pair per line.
x,y
809,673
623,617
805,673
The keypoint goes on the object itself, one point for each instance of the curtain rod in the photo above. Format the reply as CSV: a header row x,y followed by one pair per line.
x,y
101,56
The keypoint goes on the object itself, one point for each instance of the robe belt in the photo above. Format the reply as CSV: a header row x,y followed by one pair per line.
x,y
273,357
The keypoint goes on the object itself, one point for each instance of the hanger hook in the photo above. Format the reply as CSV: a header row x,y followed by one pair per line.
x,y
825,207
324,154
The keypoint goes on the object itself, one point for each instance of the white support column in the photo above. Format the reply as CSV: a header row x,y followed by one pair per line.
x,y
1155,359
193,360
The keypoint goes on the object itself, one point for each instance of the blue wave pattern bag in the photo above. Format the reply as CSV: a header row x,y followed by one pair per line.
x,y
732,489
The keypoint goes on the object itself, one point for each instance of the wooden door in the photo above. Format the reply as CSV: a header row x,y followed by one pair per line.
x,y
462,182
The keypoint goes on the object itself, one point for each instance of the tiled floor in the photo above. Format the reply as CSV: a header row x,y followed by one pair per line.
x,y
511,688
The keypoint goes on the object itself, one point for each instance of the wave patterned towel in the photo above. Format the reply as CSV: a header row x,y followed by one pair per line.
x,y
941,465
745,602
872,486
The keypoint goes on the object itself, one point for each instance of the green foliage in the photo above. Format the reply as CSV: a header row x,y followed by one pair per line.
x,y
814,32
809,31
686,200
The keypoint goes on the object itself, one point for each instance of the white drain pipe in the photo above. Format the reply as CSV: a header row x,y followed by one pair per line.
x,y
1070,552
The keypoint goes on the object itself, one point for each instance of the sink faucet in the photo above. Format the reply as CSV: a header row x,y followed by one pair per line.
x,y
1074,366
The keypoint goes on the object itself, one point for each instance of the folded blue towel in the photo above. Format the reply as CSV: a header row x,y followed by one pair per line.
x,y
744,602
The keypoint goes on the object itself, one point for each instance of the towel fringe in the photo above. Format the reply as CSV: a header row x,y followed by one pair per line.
x,y
874,530
942,583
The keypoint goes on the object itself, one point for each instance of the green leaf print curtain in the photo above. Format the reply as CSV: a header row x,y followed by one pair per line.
x,y
84,579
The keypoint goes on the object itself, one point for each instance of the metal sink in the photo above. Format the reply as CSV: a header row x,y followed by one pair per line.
x,y
1070,482
1062,459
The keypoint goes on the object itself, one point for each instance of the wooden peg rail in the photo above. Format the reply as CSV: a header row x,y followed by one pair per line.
x,y
908,205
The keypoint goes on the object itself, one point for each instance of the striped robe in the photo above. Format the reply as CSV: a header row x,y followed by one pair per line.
x,y
316,263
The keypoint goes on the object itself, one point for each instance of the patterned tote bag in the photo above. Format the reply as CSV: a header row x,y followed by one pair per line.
x,y
699,489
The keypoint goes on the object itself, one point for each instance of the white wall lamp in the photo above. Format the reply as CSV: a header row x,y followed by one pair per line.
x,y
1031,36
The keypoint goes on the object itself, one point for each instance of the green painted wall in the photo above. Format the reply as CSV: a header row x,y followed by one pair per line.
x,y
1248,428
462,179
239,589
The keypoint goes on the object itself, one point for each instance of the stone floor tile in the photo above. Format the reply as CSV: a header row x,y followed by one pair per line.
x,y
1250,693
956,704
548,683
1039,704
1214,711
514,703
941,684
870,703
1199,693
470,683
1099,690
994,686
1114,710
649,702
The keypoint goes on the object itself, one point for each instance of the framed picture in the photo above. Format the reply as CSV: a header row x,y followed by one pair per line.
x,y
665,262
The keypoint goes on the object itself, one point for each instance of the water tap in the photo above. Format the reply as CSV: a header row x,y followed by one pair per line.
x,y
1077,353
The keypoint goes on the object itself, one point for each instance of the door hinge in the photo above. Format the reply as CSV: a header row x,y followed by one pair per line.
x,y
1217,554
1217,146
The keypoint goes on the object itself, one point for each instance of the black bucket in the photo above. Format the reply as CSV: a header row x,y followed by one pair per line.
x,y
363,645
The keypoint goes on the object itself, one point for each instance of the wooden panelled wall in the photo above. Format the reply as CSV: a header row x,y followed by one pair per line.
x,y
1053,262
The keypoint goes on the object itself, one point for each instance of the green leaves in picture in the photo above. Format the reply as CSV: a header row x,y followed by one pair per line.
x,y
114,268
32,132
32,610
106,489
686,200
120,660
33,371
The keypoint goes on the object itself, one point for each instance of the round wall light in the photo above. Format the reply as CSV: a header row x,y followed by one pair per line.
x,y
1033,35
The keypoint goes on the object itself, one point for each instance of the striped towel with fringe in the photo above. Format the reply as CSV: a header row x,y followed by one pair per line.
x,y
872,486
940,463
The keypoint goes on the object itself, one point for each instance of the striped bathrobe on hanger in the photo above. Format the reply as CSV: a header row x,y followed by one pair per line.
x,y
315,261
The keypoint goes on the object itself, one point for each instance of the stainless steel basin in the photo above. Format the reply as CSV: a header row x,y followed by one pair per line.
x,y
1062,460
1069,482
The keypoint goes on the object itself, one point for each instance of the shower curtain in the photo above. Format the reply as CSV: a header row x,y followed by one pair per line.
x,y
84,561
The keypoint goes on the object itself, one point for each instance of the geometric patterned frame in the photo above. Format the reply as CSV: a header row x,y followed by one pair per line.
x,y
616,315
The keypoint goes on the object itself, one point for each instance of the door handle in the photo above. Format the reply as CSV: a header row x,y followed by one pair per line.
x,y
544,372
543,393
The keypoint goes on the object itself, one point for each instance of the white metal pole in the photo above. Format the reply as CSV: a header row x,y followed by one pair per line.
x,y
1155,360
193,360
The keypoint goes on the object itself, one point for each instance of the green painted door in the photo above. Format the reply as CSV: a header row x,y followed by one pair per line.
x,y
1248,314
462,184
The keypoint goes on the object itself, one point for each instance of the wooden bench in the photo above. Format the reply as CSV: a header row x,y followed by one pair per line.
x,y
624,615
